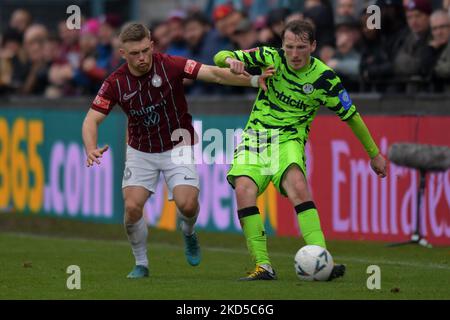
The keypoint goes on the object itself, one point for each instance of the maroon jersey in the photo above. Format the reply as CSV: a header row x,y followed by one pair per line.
x,y
154,102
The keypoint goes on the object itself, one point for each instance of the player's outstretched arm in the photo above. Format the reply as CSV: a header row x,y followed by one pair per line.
x,y
359,128
226,59
237,60
90,133
225,77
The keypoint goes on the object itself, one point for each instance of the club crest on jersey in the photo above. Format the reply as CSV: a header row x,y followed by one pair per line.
x,y
308,88
156,81
345,99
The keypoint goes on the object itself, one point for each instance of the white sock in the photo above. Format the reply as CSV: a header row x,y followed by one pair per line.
x,y
137,235
187,223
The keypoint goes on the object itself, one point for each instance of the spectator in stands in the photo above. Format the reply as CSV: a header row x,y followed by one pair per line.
x,y
52,54
89,76
263,32
36,80
197,36
312,3
446,5
196,28
345,8
109,25
320,13
160,35
275,21
410,62
20,20
346,11
440,44
62,69
226,18
175,23
297,15
346,58
13,64
393,33
245,36
375,65
70,46
116,58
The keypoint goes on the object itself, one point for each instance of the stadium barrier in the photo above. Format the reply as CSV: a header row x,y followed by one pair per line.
x,y
43,172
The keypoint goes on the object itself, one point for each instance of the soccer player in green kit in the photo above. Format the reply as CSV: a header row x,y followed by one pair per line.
x,y
300,85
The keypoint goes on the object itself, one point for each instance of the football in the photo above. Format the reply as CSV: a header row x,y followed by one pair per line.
x,y
313,263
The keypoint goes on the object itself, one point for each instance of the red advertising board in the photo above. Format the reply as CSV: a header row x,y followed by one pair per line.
x,y
353,202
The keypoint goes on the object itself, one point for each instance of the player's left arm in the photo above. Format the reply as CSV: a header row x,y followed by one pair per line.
x,y
359,128
338,100
225,77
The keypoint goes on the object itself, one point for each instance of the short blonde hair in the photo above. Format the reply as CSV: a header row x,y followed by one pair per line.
x,y
134,32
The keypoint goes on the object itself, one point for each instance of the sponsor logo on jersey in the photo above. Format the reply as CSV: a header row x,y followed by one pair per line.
x,y
152,119
128,96
287,99
101,102
190,66
149,113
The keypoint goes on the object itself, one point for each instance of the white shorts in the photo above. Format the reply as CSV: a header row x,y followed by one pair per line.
x,y
177,166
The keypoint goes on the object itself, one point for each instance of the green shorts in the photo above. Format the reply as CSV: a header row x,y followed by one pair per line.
x,y
267,165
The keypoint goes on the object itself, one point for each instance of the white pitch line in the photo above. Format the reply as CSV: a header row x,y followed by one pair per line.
x,y
365,260
343,258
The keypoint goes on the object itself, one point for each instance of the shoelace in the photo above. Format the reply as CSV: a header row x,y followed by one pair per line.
x,y
257,272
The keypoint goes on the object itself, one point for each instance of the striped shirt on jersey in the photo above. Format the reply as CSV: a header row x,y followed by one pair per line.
x,y
293,96
154,103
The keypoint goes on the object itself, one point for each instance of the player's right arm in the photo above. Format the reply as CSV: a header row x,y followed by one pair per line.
x,y
90,134
262,57
101,106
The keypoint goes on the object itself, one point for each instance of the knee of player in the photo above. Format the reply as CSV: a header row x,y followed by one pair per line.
x,y
188,206
246,190
298,189
133,212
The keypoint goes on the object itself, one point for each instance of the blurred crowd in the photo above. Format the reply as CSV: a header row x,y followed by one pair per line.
x,y
409,53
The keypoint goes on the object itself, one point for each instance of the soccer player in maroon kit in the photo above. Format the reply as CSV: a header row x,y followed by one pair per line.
x,y
149,89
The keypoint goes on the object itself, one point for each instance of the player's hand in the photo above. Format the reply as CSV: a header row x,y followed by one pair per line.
x,y
270,71
378,165
94,155
236,66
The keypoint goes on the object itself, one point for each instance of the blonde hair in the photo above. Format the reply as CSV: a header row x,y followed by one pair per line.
x,y
134,32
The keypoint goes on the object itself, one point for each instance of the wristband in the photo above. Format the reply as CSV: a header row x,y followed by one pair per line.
x,y
254,81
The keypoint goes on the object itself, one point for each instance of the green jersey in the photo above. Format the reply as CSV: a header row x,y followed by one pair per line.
x,y
293,96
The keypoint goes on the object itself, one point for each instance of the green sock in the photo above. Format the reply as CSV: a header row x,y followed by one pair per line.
x,y
309,222
255,234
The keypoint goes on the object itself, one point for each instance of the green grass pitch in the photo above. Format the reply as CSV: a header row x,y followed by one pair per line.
x,y
34,256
